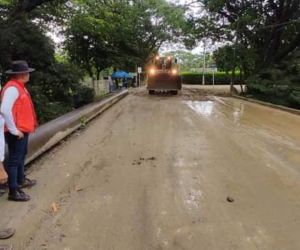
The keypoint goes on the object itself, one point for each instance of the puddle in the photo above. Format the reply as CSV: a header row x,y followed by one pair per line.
x,y
237,114
204,108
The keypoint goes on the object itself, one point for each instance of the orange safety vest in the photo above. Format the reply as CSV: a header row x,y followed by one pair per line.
x,y
23,109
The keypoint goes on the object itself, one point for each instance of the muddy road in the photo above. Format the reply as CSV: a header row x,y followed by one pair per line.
x,y
155,172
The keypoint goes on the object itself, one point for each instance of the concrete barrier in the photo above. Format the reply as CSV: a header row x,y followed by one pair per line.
x,y
283,108
49,134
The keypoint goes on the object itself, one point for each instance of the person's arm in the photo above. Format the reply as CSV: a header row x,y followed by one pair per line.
x,y
10,96
2,140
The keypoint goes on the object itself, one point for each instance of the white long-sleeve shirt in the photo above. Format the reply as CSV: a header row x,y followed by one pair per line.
x,y
2,140
10,96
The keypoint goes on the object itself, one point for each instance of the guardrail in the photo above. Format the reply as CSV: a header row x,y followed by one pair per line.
x,y
49,134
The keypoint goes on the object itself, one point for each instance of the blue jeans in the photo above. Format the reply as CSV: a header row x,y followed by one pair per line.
x,y
17,150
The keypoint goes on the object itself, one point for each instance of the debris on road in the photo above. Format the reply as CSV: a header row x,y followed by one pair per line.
x,y
142,159
151,158
230,199
54,208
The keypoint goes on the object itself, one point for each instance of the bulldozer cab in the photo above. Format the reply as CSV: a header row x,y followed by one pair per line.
x,y
164,63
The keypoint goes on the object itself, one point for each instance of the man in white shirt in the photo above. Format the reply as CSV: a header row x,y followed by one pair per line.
x,y
20,119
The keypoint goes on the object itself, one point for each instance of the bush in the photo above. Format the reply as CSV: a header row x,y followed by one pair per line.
x,y
57,90
84,95
54,84
54,110
295,98
45,109
284,95
279,84
221,78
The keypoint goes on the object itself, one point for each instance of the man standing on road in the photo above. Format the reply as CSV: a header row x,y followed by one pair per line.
x,y
20,119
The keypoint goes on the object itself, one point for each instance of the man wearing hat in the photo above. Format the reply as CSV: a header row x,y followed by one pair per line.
x,y
20,120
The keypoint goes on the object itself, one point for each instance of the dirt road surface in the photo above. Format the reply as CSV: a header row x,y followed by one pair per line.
x,y
156,172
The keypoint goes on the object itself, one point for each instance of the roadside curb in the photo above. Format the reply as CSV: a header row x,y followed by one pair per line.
x,y
271,105
51,133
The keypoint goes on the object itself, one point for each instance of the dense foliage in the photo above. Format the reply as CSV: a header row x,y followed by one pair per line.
x,y
54,84
263,39
97,34
123,34
280,83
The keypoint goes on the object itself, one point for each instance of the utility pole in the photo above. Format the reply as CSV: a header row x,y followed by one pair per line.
x,y
139,71
213,75
234,58
204,62
213,66
232,80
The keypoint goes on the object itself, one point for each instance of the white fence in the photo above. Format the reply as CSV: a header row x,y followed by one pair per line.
x,y
101,87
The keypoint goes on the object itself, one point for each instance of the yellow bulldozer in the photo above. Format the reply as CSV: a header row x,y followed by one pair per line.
x,y
163,75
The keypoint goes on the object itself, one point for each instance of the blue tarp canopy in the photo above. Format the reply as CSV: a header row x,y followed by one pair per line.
x,y
120,74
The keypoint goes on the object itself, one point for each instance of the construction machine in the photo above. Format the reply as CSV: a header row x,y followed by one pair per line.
x,y
163,75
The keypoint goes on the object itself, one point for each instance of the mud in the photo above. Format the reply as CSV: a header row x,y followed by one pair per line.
x,y
156,172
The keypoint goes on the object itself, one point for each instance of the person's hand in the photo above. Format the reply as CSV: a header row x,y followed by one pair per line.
x,y
20,135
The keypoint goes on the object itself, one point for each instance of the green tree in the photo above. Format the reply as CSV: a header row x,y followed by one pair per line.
x,y
231,58
120,33
264,35
269,29
54,84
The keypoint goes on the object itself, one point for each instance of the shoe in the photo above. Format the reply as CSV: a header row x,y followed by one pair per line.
x,y
6,247
6,233
27,183
18,195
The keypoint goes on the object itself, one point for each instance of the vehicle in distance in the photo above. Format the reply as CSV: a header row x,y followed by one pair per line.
x,y
163,75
